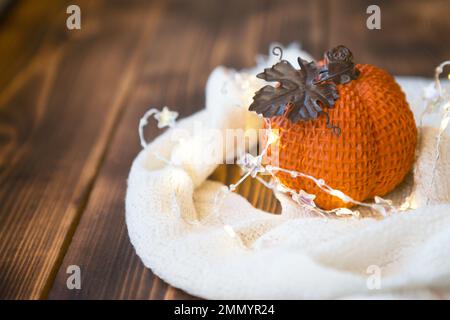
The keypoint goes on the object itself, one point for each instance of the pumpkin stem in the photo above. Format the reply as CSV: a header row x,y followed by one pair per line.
x,y
343,75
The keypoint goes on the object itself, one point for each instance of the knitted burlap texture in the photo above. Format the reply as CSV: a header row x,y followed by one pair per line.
x,y
177,232
370,157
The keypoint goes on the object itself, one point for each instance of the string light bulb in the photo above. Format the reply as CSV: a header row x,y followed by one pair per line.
x,y
273,136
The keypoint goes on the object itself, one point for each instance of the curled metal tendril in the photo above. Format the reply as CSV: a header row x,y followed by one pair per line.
x,y
335,129
277,51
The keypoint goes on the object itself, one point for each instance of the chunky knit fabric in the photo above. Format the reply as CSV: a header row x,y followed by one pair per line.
x,y
176,231
373,153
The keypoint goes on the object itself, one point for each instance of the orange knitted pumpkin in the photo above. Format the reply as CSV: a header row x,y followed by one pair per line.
x,y
371,155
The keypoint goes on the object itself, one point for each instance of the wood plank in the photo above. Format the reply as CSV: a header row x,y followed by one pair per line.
x,y
18,44
59,103
413,38
190,41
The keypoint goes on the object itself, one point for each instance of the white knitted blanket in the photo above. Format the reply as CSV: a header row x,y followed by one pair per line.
x,y
177,233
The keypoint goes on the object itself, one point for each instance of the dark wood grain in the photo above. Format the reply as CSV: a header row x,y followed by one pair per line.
x,y
59,105
189,43
412,39
70,102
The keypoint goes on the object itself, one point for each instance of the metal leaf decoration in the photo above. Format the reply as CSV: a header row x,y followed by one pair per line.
x,y
316,95
303,94
273,101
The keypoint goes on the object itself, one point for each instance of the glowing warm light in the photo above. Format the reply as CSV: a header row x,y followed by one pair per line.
x,y
273,136
281,188
340,195
345,212
444,123
229,230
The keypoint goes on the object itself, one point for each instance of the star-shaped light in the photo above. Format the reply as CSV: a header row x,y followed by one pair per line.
x,y
304,198
166,118
252,164
383,206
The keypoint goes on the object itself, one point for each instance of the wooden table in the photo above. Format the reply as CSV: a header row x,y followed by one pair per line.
x,y
70,102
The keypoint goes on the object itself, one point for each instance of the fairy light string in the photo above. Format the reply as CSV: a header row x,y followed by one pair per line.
x,y
437,99
164,118
253,165
436,96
